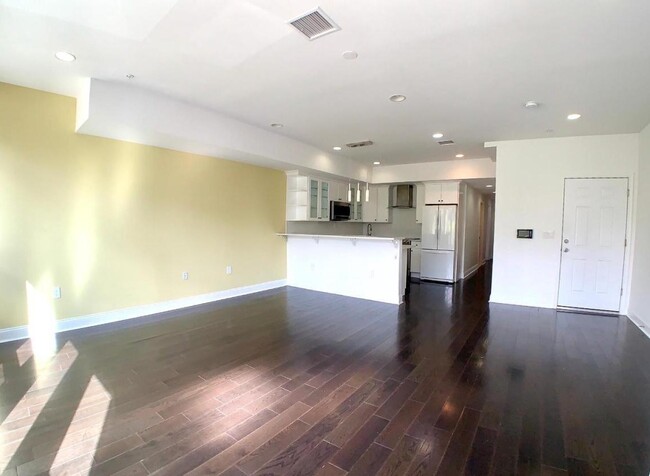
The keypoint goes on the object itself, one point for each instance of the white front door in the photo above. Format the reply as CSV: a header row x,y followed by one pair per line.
x,y
593,243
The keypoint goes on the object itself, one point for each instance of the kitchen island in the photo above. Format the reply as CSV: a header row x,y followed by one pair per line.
x,y
365,267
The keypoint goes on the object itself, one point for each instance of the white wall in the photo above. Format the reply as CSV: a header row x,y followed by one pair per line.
x,y
489,227
134,114
640,292
432,171
530,194
460,230
470,250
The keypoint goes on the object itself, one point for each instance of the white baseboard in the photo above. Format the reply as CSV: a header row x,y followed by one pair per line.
x,y
22,332
640,323
472,270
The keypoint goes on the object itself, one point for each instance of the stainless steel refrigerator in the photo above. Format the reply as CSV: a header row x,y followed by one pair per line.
x,y
439,243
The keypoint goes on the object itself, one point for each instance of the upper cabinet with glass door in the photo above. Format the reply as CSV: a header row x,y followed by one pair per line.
x,y
324,201
308,198
356,202
314,191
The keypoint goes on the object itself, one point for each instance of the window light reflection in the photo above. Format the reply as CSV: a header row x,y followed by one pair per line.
x,y
41,324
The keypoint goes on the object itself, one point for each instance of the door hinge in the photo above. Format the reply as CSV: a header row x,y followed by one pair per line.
x,y
628,192
621,291
626,242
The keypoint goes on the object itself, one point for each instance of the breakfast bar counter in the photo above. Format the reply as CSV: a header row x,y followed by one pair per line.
x,y
366,267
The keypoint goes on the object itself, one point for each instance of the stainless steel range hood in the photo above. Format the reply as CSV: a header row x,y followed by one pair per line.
x,y
403,196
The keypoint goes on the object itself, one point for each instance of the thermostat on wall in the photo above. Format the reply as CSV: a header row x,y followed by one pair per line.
x,y
525,233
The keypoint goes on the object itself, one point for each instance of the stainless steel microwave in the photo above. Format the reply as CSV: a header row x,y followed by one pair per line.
x,y
340,211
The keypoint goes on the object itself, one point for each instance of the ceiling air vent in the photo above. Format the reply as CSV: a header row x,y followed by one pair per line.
x,y
445,142
314,24
364,143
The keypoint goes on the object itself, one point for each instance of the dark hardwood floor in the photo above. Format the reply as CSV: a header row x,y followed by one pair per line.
x,y
297,382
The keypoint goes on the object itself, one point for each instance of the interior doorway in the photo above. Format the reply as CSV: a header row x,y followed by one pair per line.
x,y
593,243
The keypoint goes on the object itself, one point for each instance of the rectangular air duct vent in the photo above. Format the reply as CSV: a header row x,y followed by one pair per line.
x,y
364,143
314,24
445,142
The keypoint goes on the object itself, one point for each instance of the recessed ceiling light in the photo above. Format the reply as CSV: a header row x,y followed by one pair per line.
x,y
65,56
573,117
397,98
531,104
438,135
489,186
336,148
460,156
277,125
130,76
376,163
350,55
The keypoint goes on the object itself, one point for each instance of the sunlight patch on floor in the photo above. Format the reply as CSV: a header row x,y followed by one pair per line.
x,y
19,421
24,352
84,450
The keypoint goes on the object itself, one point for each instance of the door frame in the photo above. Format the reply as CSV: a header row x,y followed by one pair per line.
x,y
629,245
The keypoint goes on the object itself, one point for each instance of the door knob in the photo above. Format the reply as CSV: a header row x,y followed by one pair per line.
x,y
566,240
566,250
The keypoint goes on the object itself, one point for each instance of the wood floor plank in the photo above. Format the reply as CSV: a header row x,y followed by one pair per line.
x,y
314,460
359,443
291,381
482,451
401,458
168,453
257,458
349,427
251,441
307,442
370,461
399,424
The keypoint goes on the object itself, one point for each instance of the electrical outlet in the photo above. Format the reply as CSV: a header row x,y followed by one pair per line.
x,y
56,292
228,269
186,276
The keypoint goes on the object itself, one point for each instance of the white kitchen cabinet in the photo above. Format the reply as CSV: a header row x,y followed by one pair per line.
x,y
419,202
383,203
308,199
339,191
324,200
357,202
377,208
297,198
441,193
370,207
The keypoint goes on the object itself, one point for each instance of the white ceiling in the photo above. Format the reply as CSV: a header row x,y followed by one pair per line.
x,y
466,66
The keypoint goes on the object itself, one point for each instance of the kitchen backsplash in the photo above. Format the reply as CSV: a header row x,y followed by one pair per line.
x,y
326,227
403,224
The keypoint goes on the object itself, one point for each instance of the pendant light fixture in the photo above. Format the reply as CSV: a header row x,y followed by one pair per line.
x,y
358,192
367,192
349,192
